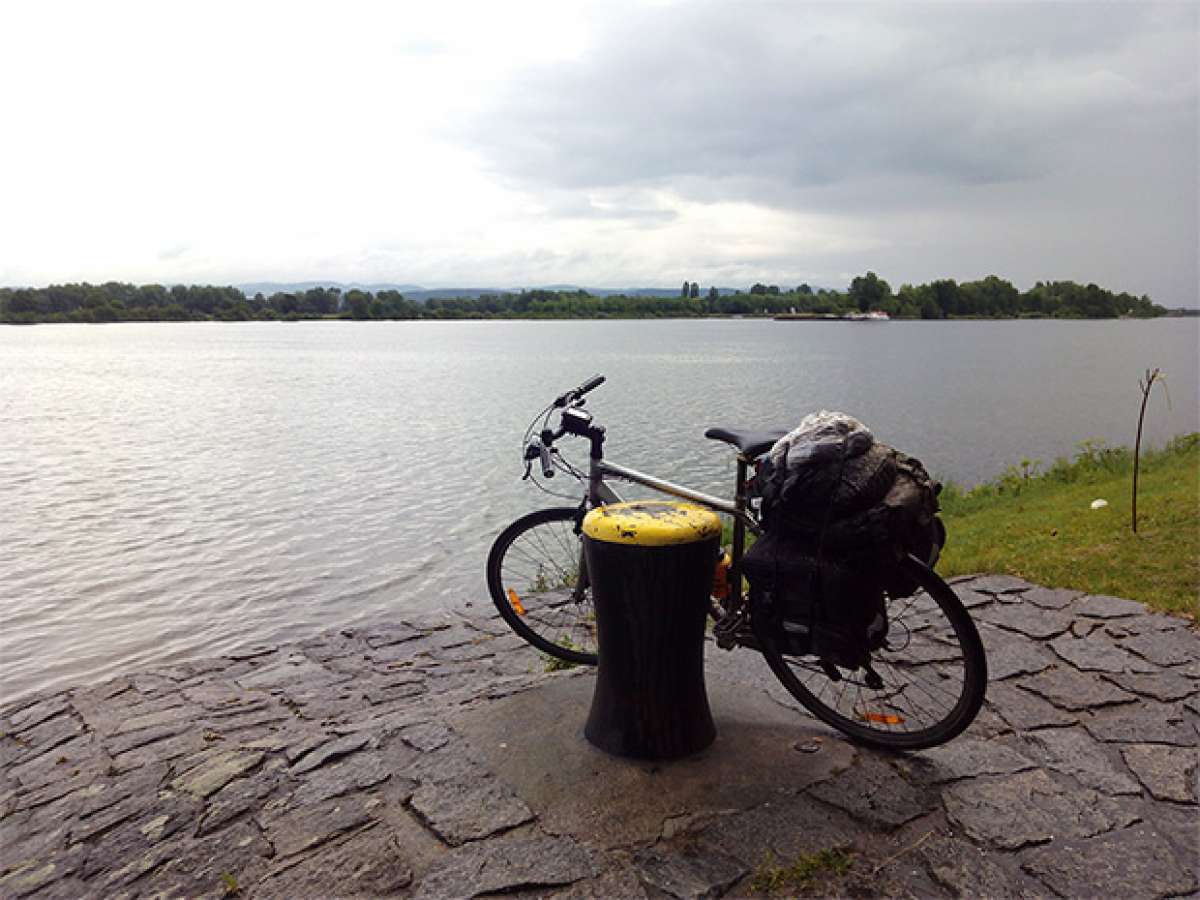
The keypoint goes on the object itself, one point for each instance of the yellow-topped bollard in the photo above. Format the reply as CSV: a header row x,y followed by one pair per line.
x,y
650,564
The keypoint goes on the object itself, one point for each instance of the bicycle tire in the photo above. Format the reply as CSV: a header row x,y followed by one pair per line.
x,y
881,719
531,572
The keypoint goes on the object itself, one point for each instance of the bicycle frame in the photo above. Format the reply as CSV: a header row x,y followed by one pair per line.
x,y
600,493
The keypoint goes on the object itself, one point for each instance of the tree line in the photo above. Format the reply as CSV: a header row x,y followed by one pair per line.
x,y
990,297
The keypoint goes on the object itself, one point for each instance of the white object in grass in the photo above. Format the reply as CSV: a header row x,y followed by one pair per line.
x,y
1099,504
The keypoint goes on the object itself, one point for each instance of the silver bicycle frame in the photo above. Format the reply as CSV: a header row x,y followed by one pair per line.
x,y
599,492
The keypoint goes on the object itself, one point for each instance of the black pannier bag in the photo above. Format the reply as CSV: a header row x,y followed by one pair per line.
x,y
840,512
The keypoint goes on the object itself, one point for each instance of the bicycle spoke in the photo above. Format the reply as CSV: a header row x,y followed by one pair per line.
x,y
927,680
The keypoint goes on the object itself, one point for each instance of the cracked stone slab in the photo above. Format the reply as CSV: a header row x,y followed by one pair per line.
x,y
294,830
1164,686
46,736
37,713
1170,648
1144,722
194,867
330,750
689,872
1027,619
41,875
969,871
1133,862
1029,808
122,743
505,865
1097,655
450,763
967,758
88,828
177,715
369,863
167,750
1073,690
356,773
785,828
875,793
1073,752
296,671
83,785
427,737
390,635
998,584
467,810
1100,606
973,599
1169,773
1017,658
1050,598
215,771
1146,623
239,796
1023,710
619,881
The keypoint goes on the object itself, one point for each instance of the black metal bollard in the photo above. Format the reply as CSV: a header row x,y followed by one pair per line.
x,y
651,568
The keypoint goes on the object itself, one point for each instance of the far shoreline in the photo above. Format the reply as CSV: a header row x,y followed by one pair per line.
x,y
1173,314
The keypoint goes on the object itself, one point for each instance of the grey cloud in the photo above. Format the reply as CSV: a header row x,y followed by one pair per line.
x,y
799,97
1034,140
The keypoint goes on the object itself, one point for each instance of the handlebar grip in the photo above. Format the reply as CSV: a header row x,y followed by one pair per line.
x,y
547,466
591,384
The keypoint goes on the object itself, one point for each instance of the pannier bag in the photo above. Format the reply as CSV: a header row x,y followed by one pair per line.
x,y
840,511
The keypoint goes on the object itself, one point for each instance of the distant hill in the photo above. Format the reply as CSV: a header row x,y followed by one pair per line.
x,y
420,294
267,288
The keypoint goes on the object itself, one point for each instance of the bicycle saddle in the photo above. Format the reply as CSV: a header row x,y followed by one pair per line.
x,y
750,443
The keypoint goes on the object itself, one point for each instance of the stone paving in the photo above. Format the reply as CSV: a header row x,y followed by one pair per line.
x,y
434,757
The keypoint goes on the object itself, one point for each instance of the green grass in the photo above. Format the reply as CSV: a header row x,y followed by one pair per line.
x,y
554,663
1039,525
769,878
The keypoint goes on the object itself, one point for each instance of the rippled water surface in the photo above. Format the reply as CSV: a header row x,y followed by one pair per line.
x,y
177,490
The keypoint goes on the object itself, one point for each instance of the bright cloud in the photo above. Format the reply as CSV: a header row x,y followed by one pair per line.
x,y
600,144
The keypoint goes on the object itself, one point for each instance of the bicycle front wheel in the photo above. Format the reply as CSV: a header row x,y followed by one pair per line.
x,y
931,672
538,581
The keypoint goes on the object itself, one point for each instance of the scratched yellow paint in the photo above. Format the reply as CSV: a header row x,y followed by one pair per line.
x,y
651,523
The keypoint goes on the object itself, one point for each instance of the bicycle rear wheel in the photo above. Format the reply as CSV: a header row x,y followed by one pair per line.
x,y
931,667
533,572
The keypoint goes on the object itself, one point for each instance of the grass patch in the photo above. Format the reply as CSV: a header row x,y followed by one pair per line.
x,y
1039,525
553,663
770,878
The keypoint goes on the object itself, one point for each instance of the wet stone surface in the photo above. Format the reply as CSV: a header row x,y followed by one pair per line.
x,y
339,767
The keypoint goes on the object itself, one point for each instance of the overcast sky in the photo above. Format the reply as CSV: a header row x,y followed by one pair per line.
x,y
605,144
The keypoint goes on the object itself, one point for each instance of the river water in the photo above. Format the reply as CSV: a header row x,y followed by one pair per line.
x,y
170,491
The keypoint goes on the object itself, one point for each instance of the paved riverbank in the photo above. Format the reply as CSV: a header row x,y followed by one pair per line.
x,y
434,757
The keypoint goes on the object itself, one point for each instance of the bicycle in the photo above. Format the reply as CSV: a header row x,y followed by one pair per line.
x,y
923,685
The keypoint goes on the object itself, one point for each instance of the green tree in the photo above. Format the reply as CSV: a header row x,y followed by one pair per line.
x,y
869,292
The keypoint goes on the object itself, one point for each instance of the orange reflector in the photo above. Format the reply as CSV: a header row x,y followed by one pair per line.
x,y
883,718
515,602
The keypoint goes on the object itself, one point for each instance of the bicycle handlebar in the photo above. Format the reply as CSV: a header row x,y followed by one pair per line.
x,y
574,421
571,396
537,449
